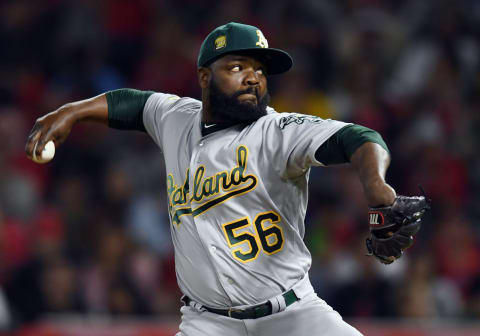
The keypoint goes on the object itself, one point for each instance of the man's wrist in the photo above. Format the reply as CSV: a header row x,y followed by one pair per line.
x,y
69,114
378,193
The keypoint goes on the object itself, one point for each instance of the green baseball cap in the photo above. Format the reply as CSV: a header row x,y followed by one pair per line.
x,y
242,39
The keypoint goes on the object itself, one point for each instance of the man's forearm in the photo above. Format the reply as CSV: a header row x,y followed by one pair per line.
x,y
92,109
371,161
121,109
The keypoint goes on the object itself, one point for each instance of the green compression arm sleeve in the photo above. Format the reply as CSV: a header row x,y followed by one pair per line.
x,y
340,146
125,108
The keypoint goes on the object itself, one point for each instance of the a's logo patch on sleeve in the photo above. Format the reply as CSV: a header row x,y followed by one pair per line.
x,y
299,119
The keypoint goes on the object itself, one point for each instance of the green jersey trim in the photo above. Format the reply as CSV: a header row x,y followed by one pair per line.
x,y
340,147
125,108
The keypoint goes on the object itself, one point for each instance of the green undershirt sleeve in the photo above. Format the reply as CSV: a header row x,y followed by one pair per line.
x,y
340,147
125,108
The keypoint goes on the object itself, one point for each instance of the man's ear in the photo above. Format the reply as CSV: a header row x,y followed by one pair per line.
x,y
204,75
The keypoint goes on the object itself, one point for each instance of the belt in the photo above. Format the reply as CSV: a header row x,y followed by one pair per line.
x,y
253,312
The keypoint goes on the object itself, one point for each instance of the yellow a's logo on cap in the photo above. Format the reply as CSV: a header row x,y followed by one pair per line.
x,y
220,42
262,41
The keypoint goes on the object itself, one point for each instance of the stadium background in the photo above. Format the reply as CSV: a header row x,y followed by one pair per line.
x,y
84,240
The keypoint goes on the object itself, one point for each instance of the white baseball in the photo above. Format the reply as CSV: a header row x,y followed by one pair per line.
x,y
47,153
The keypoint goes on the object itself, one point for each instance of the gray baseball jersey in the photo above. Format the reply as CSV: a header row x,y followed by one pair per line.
x,y
237,199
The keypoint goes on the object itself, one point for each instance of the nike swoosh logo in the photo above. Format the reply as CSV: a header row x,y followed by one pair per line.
x,y
208,126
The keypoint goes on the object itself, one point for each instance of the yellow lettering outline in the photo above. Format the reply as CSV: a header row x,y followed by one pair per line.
x,y
242,242
221,181
172,191
228,178
272,224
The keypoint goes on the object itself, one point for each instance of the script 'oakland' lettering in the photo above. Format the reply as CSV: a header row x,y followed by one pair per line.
x,y
226,184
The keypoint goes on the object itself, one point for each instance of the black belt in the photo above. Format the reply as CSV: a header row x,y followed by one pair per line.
x,y
253,312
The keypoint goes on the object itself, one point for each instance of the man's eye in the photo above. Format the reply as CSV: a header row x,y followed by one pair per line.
x,y
235,68
260,72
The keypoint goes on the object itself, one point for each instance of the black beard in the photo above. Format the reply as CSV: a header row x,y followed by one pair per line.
x,y
229,109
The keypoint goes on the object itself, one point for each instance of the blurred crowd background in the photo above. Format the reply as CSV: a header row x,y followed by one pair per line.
x,y
89,234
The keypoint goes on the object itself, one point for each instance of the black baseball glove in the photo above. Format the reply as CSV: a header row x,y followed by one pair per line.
x,y
392,228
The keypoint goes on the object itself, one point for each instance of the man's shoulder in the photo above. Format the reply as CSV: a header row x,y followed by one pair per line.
x,y
278,118
272,114
285,121
292,118
175,103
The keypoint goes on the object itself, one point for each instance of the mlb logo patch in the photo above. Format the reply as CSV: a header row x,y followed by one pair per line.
x,y
220,42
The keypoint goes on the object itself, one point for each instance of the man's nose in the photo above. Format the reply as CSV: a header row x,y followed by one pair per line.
x,y
251,79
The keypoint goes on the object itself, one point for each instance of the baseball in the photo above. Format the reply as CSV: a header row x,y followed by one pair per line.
x,y
47,153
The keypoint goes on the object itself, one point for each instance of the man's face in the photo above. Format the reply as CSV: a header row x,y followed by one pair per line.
x,y
238,89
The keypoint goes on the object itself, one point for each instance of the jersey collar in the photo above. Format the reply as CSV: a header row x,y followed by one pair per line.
x,y
208,128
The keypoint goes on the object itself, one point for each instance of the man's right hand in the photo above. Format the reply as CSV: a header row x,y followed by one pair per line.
x,y
56,125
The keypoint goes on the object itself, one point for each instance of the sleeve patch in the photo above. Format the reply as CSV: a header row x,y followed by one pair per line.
x,y
299,119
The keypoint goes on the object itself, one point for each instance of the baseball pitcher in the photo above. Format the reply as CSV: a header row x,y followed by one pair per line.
x,y
237,175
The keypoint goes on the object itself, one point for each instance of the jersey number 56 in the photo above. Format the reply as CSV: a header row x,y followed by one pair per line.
x,y
268,237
